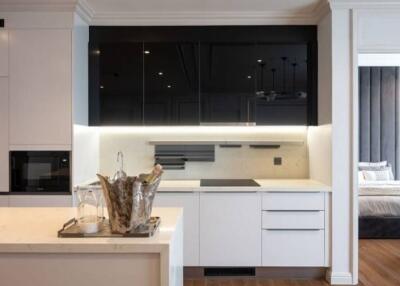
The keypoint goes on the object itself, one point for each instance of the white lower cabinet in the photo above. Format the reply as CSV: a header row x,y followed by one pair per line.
x,y
293,248
230,229
190,203
293,230
40,201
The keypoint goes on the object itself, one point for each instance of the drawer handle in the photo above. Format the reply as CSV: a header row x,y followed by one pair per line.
x,y
309,211
229,192
293,229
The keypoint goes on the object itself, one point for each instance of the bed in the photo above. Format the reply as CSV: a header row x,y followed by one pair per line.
x,y
379,209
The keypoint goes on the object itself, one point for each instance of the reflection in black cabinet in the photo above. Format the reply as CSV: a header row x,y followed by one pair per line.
x,y
282,85
171,93
120,83
227,84
182,75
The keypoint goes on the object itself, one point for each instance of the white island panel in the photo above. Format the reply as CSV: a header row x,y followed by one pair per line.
x,y
31,251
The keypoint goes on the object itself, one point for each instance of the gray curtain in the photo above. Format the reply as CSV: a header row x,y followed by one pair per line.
x,y
379,116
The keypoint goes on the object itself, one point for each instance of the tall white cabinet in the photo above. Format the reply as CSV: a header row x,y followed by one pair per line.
x,y
40,90
4,94
3,53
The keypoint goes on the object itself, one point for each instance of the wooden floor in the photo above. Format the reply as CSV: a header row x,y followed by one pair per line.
x,y
379,266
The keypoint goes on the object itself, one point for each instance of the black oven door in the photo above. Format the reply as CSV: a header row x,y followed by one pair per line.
x,y
40,171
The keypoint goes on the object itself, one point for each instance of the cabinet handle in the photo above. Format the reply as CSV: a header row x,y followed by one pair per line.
x,y
293,229
308,211
229,192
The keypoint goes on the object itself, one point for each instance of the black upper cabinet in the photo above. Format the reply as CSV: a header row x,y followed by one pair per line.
x,y
227,81
171,84
117,85
282,87
194,75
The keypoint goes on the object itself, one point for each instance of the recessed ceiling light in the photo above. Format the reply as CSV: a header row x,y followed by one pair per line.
x,y
97,52
160,73
259,60
101,86
169,86
249,76
147,52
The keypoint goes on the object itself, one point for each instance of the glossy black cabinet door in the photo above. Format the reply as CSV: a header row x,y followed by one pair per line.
x,y
120,83
282,85
227,81
171,85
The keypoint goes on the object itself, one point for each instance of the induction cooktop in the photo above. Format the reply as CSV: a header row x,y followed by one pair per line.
x,y
228,183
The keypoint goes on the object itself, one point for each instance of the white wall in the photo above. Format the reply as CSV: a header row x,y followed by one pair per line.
x,y
85,150
229,162
80,69
320,153
341,269
378,60
325,70
377,30
85,155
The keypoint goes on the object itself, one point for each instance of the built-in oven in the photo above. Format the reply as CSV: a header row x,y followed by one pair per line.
x,y
40,171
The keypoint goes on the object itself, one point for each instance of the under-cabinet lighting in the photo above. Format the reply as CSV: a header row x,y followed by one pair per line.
x,y
241,130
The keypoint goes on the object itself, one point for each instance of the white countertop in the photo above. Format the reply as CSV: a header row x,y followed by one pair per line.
x,y
26,230
266,185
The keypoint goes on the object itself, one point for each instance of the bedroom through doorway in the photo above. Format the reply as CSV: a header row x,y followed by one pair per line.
x,y
379,168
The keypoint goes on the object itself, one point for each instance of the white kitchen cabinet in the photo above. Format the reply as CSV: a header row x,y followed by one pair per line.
x,y
3,53
230,229
40,87
40,200
294,229
293,248
293,201
189,201
4,178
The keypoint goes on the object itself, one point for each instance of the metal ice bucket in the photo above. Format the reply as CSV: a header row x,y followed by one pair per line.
x,y
129,201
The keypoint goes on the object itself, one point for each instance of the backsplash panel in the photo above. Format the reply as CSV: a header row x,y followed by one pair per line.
x,y
244,162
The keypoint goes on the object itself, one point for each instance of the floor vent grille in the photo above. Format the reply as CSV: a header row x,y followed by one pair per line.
x,y
229,271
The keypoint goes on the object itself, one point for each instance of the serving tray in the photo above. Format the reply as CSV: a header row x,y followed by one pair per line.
x,y
71,229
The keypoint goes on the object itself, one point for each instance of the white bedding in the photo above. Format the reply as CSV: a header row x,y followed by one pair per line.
x,y
379,198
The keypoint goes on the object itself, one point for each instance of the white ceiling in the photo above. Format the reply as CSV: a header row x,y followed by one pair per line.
x,y
155,6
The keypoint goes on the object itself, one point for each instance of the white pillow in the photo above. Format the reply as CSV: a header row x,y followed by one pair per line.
x,y
373,164
361,177
378,175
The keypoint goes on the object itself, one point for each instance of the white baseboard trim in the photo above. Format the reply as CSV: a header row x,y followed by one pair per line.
x,y
339,278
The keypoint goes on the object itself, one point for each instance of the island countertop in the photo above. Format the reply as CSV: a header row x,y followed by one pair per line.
x,y
34,230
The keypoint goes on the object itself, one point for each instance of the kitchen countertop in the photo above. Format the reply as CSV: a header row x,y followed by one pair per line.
x,y
266,185
34,230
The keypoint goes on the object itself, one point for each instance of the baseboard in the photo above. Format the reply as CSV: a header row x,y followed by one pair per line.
x,y
339,278
267,272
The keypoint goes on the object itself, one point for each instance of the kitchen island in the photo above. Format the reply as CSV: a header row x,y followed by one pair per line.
x,y
32,254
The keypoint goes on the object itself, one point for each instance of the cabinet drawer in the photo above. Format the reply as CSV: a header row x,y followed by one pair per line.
x,y
293,201
302,248
293,220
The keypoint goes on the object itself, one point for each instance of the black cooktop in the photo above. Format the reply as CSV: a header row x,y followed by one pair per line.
x,y
228,183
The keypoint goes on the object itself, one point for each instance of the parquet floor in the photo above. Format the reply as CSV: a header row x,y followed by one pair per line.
x,y
379,266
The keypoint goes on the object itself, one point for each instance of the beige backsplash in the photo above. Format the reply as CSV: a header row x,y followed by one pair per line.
x,y
242,162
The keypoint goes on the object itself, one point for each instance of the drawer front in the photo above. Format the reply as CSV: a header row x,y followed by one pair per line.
x,y
293,220
293,201
293,248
